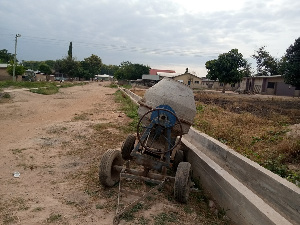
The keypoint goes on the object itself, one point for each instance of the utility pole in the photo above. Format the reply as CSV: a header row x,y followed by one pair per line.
x,y
14,67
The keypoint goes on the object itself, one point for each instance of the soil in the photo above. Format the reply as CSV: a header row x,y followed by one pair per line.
x,y
55,142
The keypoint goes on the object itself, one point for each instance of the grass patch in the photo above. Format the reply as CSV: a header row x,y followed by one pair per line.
x,y
53,218
256,127
45,88
129,108
165,218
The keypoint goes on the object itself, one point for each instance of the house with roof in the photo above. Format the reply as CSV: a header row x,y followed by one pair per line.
x,y
267,85
4,75
188,79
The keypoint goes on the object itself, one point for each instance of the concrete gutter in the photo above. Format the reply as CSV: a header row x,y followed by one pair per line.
x,y
248,193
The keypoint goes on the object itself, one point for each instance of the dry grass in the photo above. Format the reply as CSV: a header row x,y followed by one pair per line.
x,y
254,126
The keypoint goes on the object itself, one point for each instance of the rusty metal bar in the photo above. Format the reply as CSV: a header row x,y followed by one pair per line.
x,y
137,174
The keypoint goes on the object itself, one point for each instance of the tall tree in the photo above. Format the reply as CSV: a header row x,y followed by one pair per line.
x,y
70,50
291,65
267,65
229,68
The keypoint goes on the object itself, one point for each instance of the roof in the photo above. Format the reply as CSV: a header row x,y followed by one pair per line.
x,y
170,75
103,76
3,65
155,71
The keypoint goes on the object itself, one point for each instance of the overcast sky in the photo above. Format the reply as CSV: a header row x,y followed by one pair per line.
x,y
164,34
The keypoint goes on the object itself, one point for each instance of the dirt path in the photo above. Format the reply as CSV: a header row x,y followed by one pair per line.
x,y
37,135
55,142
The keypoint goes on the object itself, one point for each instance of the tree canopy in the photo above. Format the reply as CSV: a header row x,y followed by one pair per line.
x,y
44,68
130,71
229,68
19,69
267,65
91,66
5,56
291,65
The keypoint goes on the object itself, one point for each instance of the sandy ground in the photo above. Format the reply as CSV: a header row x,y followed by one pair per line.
x,y
38,135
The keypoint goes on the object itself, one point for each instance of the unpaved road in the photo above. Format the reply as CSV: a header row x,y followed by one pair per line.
x,y
55,142
38,135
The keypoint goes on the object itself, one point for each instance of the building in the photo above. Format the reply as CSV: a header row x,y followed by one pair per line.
x,y
267,85
4,75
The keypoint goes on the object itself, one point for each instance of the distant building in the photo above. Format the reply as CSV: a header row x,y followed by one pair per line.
x,y
4,75
268,85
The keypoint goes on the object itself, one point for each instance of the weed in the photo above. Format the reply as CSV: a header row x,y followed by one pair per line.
x,y
98,206
164,218
83,116
128,216
17,150
37,209
6,95
9,219
112,85
53,218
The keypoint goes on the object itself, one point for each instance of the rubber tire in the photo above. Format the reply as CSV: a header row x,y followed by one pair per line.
x,y
108,176
128,146
182,182
178,158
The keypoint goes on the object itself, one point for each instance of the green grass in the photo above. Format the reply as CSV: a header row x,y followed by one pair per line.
x,y
45,88
129,108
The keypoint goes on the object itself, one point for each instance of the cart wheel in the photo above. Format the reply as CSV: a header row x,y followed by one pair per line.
x,y
182,182
179,157
128,146
109,176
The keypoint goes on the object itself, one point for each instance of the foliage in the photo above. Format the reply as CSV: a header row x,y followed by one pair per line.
x,y
69,66
129,108
70,50
44,68
19,69
109,69
266,64
91,66
5,56
291,65
229,68
130,71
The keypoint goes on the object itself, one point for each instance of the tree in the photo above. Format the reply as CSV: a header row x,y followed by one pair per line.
x,y
69,66
267,65
44,68
229,68
91,66
109,69
70,50
291,65
129,71
19,69
5,56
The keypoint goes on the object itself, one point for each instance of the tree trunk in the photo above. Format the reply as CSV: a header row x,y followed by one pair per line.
x,y
223,91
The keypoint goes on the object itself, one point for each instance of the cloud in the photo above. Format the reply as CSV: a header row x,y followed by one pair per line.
x,y
152,32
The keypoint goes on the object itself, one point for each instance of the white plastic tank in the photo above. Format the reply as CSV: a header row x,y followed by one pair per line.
x,y
175,94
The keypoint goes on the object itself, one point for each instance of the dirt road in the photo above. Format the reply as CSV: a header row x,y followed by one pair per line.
x,y
40,136
55,142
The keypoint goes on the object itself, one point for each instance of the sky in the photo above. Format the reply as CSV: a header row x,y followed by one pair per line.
x,y
163,34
